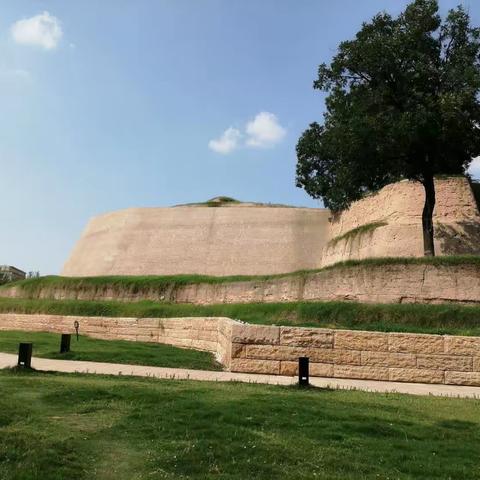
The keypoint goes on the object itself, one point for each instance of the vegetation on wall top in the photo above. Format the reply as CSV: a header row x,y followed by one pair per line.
x,y
414,318
356,232
159,284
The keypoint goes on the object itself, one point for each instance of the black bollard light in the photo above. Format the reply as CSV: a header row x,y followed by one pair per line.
x,y
65,343
303,374
77,326
25,355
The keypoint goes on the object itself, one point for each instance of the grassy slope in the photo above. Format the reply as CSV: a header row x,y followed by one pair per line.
x,y
46,345
451,319
136,284
57,426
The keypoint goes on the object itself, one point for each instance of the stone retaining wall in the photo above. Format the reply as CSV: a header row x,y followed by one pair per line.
x,y
370,283
189,332
399,357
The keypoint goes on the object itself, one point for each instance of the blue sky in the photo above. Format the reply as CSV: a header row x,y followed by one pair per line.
x,y
113,104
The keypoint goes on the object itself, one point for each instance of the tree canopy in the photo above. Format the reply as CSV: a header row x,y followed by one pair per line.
x,y
403,103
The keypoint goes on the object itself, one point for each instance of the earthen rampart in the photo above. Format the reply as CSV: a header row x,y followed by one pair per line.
x,y
220,241
388,223
249,239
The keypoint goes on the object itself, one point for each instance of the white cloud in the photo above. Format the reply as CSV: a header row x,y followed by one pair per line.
x,y
264,131
227,143
42,30
474,169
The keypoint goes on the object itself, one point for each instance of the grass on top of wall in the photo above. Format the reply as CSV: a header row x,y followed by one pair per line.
x,y
138,284
415,318
73,426
47,345
355,232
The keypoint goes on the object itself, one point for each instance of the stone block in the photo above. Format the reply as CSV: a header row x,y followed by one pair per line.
x,y
476,364
416,375
239,350
96,322
288,368
148,322
316,369
208,335
360,372
247,365
353,340
386,359
415,343
445,362
178,342
321,369
147,338
309,337
463,378
320,355
275,352
258,334
462,345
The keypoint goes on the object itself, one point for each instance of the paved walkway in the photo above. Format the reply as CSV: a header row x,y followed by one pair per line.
x,y
72,366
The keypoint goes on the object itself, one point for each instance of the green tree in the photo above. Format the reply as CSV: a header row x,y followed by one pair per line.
x,y
403,103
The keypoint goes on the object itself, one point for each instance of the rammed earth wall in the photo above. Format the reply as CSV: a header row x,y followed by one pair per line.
x,y
393,216
400,357
246,239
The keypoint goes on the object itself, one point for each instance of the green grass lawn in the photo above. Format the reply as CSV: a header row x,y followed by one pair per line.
x,y
58,426
442,319
47,345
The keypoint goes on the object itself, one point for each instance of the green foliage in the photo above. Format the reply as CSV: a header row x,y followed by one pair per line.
x,y
441,319
403,103
46,345
220,201
355,232
59,426
223,199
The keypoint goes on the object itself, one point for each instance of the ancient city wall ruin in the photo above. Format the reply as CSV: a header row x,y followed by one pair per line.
x,y
248,239
239,240
369,283
399,357
388,223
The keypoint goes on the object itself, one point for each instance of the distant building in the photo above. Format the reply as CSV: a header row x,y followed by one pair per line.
x,y
10,274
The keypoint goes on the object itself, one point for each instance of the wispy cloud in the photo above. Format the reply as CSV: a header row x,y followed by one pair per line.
x,y
227,142
43,30
263,131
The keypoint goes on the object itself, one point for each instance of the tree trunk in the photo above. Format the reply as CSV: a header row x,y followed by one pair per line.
x,y
427,216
